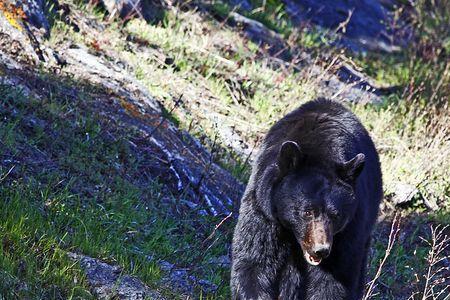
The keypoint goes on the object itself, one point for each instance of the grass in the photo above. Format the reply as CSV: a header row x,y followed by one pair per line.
x,y
79,200
408,128
76,183
415,256
220,68
270,13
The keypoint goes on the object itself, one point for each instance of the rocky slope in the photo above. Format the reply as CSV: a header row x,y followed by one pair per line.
x,y
180,105
187,170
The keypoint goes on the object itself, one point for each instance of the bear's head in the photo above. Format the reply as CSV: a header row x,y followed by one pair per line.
x,y
312,201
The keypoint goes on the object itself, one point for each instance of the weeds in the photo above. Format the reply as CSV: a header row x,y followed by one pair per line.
x,y
395,228
425,268
437,278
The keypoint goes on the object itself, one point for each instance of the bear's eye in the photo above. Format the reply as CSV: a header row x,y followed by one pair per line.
x,y
308,213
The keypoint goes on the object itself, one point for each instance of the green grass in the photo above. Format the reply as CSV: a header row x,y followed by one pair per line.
x,y
408,257
77,186
81,200
408,128
33,264
273,15
402,265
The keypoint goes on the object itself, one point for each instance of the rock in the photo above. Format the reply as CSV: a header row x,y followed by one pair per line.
x,y
92,62
14,40
223,261
172,154
431,205
403,193
149,10
367,27
108,282
241,4
355,90
35,11
80,61
180,279
183,282
348,74
8,61
23,27
260,34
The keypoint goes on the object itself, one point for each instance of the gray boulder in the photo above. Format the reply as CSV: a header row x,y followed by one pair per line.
x,y
260,34
149,10
35,10
108,282
366,22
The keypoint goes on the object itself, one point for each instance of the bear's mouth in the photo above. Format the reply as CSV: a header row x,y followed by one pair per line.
x,y
314,261
310,259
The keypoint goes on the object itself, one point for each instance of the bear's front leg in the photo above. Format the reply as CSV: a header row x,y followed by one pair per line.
x,y
292,285
253,282
258,256
323,286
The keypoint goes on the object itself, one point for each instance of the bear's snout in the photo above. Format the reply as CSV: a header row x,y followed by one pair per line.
x,y
321,250
318,240
321,237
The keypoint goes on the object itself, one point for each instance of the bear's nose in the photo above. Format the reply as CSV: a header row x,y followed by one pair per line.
x,y
321,251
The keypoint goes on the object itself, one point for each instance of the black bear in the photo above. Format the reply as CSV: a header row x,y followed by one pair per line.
x,y
307,213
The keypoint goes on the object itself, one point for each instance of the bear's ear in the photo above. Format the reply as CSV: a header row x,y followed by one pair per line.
x,y
351,169
289,157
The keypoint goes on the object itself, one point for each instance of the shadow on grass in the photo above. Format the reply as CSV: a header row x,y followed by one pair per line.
x,y
81,171
409,258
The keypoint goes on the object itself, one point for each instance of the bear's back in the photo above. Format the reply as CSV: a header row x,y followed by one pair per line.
x,y
324,129
327,133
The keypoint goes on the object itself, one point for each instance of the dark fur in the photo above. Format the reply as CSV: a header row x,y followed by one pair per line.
x,y
293,189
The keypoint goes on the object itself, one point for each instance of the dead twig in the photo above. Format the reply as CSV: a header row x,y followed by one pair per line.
x,y
164,118
7,173
393,234
343,25
438,243
217,226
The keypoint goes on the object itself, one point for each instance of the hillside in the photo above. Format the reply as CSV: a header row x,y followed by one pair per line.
x,y
127,134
